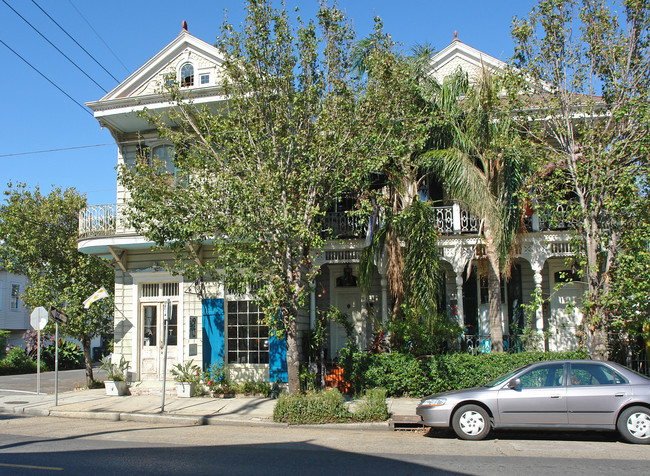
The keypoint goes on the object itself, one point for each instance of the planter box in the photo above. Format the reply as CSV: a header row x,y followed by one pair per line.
x,y
185,389
115,387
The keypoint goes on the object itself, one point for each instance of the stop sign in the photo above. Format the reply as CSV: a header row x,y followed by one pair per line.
x,y
38,318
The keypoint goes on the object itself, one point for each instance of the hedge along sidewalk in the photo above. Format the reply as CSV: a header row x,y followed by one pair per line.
x,y
406,375
329,406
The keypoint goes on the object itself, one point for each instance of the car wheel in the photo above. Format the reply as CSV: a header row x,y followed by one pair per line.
x,y
634,425
471,422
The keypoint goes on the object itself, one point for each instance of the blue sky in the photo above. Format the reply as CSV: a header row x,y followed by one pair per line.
x,y
36,116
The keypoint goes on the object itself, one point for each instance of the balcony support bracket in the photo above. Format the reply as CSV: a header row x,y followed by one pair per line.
x,y
119,257
197,253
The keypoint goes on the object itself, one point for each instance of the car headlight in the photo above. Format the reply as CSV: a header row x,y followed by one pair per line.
x,y
433,402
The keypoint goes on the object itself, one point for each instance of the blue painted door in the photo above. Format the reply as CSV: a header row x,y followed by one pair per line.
x,y
277,359
214,342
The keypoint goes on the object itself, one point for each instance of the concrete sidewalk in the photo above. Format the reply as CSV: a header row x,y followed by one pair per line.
x,y
146,407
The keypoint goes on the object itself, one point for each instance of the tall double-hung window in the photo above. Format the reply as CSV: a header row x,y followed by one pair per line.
x,y
248,337
14,300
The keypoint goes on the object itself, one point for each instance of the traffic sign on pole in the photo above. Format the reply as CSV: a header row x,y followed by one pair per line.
x,y
38,318
58,316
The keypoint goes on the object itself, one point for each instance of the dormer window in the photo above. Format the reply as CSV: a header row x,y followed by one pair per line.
x,y
187,75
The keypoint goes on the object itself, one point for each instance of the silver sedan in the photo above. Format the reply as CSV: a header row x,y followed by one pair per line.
x,y
559,394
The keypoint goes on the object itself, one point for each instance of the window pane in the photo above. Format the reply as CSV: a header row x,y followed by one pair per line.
x,y
187,75
247,340
546,376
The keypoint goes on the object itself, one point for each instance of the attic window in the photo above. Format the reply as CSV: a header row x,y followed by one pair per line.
x,y
205,79
187,75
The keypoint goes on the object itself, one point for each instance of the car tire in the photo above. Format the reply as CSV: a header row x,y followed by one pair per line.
x,y
634,425
471,422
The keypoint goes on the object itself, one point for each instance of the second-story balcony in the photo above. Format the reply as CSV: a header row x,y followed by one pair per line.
x,y
109,220
102,220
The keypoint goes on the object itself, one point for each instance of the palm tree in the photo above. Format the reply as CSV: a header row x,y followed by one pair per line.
x,y
477,155
394,85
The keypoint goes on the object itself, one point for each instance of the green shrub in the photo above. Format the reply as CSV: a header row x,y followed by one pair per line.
x,y
4,337
252,388
18,362
329,407
217,380
71,356
312,408
372,406
405,375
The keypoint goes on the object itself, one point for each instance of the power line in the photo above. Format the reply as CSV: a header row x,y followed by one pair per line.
x,y
98,36
76,42
48,79
54,46
55,150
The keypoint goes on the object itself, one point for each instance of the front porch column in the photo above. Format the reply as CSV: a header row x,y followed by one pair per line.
x,y
459,300
539,312
312,304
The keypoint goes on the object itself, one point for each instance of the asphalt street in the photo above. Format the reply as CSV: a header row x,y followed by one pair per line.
x,y
33,445
26,383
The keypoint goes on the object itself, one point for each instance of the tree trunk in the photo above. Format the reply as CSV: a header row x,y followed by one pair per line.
x,y
85,343
293,357
494,295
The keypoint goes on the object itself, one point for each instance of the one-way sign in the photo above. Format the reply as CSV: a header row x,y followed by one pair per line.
x,y
58,316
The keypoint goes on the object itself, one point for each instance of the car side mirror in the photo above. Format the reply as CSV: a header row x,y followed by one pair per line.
x,y
514,383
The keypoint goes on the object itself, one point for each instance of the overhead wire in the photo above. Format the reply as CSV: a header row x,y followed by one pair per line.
x,y
54,46
55,150
76,42
47,79
98,36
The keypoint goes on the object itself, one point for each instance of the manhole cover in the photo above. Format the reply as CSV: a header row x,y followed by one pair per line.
x,y
16,402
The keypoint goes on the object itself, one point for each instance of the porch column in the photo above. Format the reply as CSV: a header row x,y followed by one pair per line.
x,y
539,312
312,304
384,300
455,214
459,300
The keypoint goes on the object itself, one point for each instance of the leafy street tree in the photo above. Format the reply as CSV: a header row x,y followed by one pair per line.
x,y
628,301
39,239
254,178
480,158
586,72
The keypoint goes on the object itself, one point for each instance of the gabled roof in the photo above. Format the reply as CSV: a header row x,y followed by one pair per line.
x,y
459,55
117,109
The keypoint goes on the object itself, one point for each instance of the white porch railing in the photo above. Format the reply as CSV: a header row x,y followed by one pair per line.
x,y
343,225
108,220
102,220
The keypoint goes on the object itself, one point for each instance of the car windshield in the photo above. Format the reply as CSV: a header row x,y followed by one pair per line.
x,y
505,378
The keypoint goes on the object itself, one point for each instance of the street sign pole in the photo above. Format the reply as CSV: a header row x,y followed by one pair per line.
x,y
56,363
38,320
38,361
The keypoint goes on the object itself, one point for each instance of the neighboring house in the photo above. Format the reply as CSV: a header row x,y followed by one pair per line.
x,y
14,315
208,324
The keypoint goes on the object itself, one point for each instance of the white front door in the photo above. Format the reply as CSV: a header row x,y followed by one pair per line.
x,y
565,315
152,331
349,303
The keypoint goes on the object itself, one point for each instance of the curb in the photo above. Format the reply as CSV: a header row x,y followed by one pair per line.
x,y
372,426
110,416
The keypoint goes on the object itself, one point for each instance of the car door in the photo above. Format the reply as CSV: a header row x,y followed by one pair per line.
x,y
540,399
595,393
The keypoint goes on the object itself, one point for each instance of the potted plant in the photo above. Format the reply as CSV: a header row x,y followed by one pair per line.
x,y
187,376
115,382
